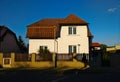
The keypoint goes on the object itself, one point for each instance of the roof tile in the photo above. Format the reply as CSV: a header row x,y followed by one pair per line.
x,y
45,27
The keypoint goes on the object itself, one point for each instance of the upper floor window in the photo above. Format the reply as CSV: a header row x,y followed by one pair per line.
x,y
72,30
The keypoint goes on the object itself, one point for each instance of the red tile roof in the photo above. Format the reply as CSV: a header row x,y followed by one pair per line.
x,y
45,27
72,19
95,44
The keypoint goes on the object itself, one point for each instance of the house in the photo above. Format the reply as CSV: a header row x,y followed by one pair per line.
x,y
117,47
114,48
8,41
60,35
96,50
96,55
96,46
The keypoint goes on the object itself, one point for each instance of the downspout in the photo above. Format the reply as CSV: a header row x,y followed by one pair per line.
x,y
57,46
55,57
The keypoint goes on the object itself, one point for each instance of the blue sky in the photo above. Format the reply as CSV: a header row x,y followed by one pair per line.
x,y
103,16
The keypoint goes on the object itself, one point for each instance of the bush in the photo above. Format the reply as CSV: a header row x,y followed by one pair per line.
x,y
43,51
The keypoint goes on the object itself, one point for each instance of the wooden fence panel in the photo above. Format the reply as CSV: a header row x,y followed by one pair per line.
x,y
22,57
43,57
6,55
64,57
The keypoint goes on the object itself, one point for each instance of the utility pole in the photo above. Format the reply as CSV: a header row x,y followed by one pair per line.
x,y
55,57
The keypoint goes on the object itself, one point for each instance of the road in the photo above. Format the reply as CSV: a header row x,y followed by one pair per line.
x,y
99,75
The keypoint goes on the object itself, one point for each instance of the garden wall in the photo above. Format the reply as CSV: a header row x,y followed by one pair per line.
x,y
31,62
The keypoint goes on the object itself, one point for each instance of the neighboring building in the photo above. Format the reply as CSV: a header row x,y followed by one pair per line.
x,y
96,49
63,36
96,46
96,55
114,48
8,40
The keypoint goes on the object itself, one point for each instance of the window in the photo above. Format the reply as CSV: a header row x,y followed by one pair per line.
x,y
42,49
72,30
72,49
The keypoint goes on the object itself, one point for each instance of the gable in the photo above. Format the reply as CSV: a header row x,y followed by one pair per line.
x,y
5,36
4,30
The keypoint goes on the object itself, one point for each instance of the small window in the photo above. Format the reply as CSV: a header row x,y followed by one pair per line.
x,y
72,30
42,49
72,49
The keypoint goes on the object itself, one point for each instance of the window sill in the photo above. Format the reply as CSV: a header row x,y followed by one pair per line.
x,y
73,35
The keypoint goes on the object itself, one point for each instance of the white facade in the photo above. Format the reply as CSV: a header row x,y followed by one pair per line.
x,y
34,44
80,38
61,45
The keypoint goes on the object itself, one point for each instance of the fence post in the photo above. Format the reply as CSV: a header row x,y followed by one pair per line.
x,y
1,59
12,59
33,57
54,58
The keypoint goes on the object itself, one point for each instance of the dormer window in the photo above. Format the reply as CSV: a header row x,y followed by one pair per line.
x,y
72,30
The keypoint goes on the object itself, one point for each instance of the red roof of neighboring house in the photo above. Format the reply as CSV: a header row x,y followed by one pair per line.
x,y
95,44
44,29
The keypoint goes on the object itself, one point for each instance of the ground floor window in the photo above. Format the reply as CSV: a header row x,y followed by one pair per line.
x,y
43,50
72,49
43,47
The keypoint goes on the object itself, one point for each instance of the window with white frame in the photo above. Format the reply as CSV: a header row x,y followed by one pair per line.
x,y
72,30
72,49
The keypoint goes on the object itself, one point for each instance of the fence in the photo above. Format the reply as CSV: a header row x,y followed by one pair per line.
x,y
7,55
115,60
44,60
64,57
22,57
43,57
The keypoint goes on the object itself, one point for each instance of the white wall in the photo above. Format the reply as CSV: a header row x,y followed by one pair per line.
x,y
34,44
80,38
62,43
